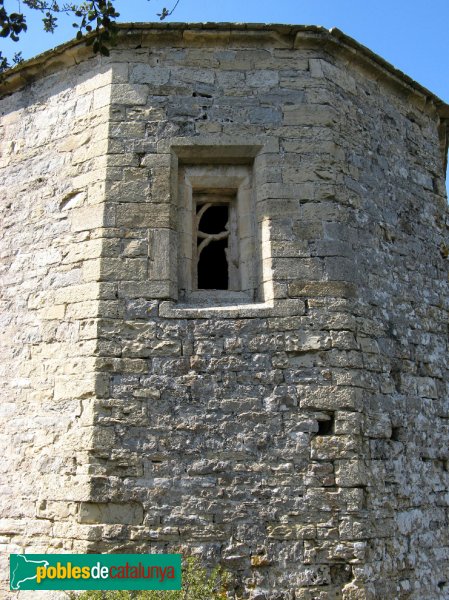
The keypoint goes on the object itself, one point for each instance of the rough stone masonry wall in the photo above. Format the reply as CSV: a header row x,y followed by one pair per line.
x,y
212,419
283,441
298,440
398,240
53,138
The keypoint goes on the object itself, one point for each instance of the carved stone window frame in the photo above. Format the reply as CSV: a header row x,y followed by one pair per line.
x,y
221,183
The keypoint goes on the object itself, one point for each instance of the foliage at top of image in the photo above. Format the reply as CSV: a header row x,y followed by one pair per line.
x,y
97,17
197,584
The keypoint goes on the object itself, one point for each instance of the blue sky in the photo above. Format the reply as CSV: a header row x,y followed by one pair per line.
x,y
411,34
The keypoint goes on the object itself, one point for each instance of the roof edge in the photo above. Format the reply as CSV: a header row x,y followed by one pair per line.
x,y
391,69
74,51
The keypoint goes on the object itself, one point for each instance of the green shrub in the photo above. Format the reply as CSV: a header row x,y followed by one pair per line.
x,y
197,584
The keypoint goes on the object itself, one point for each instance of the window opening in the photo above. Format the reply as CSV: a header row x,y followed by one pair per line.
x,y
212,246
216,234
327,427
216,242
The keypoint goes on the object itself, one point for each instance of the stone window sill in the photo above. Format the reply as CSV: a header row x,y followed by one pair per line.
x,y
191,310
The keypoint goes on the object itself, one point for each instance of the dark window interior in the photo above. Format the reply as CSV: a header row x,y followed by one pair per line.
x,y
212,264
213,267
326,427
214,219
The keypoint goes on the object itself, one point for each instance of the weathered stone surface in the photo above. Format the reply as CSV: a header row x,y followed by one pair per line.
x,y
125,514
297,434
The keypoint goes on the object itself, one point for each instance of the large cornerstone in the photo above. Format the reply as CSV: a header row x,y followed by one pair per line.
x,y
224,329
